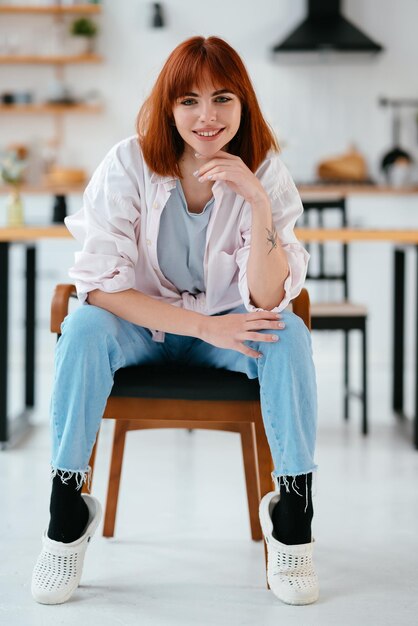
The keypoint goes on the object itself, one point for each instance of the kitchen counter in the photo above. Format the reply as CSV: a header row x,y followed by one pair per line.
x,y
396,235
348,189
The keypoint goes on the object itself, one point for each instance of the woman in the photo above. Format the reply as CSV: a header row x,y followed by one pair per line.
x,y
188,254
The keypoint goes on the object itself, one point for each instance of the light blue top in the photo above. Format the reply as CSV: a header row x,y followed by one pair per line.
x,y
182,241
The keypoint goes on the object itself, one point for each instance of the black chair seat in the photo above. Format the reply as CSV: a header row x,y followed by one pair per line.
x,y
338,323
183,383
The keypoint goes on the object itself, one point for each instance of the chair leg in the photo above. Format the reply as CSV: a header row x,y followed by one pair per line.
x,y
265,465
365,428
346,374
251,479
85,488
121,426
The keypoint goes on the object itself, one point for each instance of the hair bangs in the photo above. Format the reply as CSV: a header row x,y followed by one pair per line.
x,y
196,72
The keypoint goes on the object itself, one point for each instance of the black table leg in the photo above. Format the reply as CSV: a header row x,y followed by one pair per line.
x,y
399,339
13,428
4,319
30,327
398,332
416,352
365,426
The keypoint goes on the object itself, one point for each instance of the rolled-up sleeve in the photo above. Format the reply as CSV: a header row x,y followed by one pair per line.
x,y
108,226
286,208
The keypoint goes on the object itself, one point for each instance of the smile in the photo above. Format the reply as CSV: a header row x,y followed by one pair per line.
x,y
206,134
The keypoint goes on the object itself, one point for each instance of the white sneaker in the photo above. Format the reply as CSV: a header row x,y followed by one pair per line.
x,y
290,569
58,569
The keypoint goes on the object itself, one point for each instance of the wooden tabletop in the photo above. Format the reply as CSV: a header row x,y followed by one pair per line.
x,y
341,190
31,233
357,234
410,236
334,190
46,189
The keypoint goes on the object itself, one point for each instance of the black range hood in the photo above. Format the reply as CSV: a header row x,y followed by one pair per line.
x,y
325,29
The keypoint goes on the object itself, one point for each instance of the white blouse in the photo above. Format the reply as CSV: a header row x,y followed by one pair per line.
x,y
118,227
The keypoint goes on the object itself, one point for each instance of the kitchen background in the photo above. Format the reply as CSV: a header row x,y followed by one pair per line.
x,y
318,108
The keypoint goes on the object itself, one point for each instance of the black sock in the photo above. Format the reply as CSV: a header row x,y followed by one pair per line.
x,y
69,512
291,523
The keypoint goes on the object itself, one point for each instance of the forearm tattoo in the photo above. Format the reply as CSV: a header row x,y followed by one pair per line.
x,y
272,237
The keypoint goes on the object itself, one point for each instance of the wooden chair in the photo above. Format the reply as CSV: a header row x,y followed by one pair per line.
x,y
155,396
340,313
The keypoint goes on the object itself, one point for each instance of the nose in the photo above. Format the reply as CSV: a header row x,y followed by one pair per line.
x,y
207,112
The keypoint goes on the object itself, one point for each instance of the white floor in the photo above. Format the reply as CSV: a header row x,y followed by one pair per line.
x,y
182,553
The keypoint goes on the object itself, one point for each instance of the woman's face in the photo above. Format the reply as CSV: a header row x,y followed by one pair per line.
x,y
207,119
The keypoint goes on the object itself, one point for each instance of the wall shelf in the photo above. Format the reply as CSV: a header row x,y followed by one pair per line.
x,y
77,9
58,62
45,189
49,60
55,109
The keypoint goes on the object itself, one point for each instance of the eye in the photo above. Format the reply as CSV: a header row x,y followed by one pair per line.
x,y
223,99
188,102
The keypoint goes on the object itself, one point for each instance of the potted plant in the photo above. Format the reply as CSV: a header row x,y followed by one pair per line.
x,y
83,31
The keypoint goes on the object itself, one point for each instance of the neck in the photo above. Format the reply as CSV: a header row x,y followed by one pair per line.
x,y
189,163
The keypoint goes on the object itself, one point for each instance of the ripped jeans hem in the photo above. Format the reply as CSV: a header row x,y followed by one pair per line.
x,y
284,480
65,475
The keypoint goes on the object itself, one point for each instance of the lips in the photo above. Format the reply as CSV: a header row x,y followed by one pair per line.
x,y
210,134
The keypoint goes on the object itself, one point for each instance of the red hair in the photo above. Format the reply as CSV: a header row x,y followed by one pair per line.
x,y
193,63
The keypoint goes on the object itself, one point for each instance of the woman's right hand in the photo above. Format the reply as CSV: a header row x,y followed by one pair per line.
x,y
231,330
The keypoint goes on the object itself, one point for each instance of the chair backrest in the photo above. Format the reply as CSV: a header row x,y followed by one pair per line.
x,y
322,267
301,306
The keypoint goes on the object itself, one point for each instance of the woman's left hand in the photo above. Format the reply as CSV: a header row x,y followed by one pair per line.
x,y
233,171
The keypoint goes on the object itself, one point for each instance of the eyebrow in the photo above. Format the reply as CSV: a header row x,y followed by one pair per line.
x,y
215,93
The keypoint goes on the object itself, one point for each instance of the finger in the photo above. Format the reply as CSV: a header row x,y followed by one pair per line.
x,y
265,324
267,338
220,153
265,315
249,351
213,166
222,173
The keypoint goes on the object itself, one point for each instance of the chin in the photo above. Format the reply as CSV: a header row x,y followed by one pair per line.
x,y
208,151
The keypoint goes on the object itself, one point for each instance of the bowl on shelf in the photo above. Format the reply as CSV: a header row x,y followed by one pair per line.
x,y
65,176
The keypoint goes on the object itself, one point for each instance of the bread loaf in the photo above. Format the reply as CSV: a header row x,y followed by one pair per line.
x,y
348,166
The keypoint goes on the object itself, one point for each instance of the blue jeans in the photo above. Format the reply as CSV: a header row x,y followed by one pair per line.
x,y
95,343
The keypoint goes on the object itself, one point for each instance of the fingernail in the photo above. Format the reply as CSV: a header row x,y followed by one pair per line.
x,y
195,173
281,325
201,179
274,338
197,154
209,177
278,315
